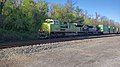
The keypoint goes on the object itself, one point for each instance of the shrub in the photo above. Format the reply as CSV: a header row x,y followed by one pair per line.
x,y
7,36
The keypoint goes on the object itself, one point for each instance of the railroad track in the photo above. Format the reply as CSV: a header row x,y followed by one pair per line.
x,y
43,41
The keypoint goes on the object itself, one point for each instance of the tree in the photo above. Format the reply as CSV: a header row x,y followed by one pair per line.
x,y
40,13
89,22
111,22
96,18
77,15
56,11
69,8
66,13
104,20
26,15
2,2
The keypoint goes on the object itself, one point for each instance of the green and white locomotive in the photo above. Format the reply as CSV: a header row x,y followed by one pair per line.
x,y
55,28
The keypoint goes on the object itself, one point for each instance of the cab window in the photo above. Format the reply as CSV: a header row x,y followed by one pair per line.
x,y
56,22
50,21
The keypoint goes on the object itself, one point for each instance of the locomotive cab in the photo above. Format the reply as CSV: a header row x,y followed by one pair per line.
x,y
50,26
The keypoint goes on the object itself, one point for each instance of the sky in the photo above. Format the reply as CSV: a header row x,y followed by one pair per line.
x,y
108,8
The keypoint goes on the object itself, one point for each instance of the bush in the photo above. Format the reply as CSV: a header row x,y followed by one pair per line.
x,y
7,36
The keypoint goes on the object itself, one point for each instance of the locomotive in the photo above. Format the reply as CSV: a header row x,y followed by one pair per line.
x,y
55,28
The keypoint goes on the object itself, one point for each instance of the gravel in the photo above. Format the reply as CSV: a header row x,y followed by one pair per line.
x,y
97,52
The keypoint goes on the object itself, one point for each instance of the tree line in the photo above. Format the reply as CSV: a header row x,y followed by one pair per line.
x,y
21,19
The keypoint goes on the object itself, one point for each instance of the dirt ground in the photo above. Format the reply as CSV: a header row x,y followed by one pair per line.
x,y
97,52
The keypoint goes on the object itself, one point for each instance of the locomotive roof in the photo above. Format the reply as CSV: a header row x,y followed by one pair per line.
x,y
50,20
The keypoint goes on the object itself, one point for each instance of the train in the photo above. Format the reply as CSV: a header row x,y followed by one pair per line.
x,y
55,28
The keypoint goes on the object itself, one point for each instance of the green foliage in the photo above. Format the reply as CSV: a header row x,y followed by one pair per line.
x,y
2,2
66,13
76,16
21,20
7,35
89,22
57,12
78,20
27,16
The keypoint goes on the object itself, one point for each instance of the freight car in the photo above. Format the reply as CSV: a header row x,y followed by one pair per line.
x,y
54,28
104,29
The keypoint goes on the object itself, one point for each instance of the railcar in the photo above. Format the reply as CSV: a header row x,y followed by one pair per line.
x,y
114,29
93,29
117,30
110,29
104,29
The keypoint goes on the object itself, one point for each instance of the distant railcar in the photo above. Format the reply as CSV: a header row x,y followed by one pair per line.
x,y
110,29
104,29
